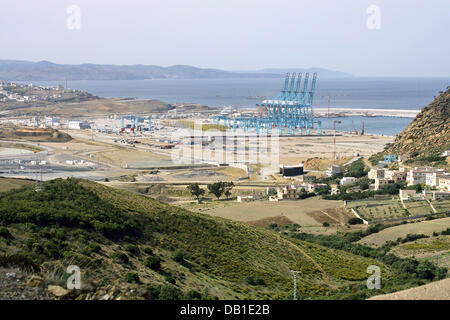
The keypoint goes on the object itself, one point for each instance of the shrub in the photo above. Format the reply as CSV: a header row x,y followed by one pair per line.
x,y
131,277
170,293
4,233
170,279
355,221
178,256
193,295
120,257
94,247
153,262
148,251
132,249
18,260
255,281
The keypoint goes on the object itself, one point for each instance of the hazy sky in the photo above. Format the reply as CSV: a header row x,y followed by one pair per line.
x,y
413,39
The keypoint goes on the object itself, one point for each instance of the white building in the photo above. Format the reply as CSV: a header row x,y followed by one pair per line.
x,y
432,179
245,198
444,183
395,175
334,170
76,124
345,181
52,121
381,183
376,173
418,175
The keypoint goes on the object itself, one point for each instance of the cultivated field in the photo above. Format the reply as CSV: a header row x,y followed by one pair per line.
x,y
373,210
393,233
441,205
307,213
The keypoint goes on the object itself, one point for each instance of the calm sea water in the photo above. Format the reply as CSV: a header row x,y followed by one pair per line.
x,y
370,93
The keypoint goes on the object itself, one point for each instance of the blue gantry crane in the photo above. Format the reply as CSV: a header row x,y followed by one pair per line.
x,y
137,122
290,112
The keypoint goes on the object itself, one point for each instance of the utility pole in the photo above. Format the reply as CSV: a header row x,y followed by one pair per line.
x,y
294,273
437,268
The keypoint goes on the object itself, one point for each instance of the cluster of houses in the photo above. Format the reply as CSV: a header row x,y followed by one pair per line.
x,y
7,95
432,177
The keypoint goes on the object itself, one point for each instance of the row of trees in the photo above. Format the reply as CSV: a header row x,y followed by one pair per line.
x,y
217,189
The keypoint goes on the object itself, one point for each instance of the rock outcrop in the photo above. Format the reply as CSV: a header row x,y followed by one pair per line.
x,y
429,133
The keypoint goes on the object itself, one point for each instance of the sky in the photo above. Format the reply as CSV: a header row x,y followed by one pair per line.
x,y
406,38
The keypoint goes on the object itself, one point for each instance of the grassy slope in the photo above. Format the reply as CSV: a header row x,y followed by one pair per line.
x,y
220,254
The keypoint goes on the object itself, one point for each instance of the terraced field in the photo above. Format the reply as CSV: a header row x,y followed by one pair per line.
x,y
441,205
416,208
374,210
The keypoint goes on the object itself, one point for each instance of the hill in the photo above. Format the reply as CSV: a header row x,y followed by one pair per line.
x,y
429,133
152,250
45,70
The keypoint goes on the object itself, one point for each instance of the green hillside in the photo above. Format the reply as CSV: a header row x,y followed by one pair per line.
x,y
117,237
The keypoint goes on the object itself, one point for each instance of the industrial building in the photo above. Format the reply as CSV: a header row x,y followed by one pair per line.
x,y
290,171
76,124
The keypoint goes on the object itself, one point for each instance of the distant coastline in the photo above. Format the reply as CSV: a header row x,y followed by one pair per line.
x,y
355,112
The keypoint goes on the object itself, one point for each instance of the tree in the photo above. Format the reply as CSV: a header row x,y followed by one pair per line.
x,y
216,189
195,190
228,186
219,188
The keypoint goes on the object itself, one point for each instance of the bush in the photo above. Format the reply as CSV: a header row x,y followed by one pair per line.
x,y
120,257
18,260
94,247
148,251
153,262
131,277
170,293
4,233
355,221
193,295
255,281
170,279
132,249
178,256
325,224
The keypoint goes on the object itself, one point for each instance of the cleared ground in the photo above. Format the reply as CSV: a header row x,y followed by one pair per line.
x,y
297,211
439,290
392,234
7,184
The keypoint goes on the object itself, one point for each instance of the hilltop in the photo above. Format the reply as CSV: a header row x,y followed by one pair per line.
x,y
122,239
429,133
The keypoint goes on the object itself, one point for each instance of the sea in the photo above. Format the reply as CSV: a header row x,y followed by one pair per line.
x,y
355,92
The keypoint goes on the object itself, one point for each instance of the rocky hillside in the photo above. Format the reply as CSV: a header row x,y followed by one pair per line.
x,y
429,133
